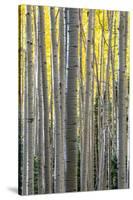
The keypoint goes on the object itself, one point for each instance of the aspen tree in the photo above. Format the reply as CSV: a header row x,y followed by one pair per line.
x,y
42,114
22,111
73,100
52,125
45,102
91,110
81,97
106,104
71,103
114,104
86,148
62,88
30,114
36,101
122,101
58,136
35,78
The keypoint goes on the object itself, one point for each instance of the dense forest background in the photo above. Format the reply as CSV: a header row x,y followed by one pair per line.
x,y
73,99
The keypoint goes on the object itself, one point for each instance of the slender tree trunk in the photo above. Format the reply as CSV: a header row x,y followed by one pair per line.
x,y
81,96
71,102
45,102
52,139
42,114
122,101
30,101
58,135
91,186
36,102
22,162
106,105
85,168
62,89
101,135
114,106
91,144
41,129
66,79
25,152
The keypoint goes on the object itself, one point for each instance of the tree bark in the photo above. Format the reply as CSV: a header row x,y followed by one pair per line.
x,y
106,105
122,102
45,102
22,170
62,88
30,122
71,103
41,140
58,135
86,148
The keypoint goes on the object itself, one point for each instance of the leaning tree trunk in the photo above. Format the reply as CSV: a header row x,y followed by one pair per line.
x,y
71,103
86,146
122,101
30,124
58,135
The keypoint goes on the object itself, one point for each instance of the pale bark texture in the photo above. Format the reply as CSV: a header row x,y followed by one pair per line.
x,y
36,102
58,136
81,97
71,103
41,131
62,88
106,105
30,122
73,100
101,118
122,101
25,151
22,147
86,146
91,111
45,102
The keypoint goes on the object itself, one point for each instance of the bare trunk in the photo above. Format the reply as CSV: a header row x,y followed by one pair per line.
x,y
71,103
23,149
122,101
106,105
62,89
86,148
30,101
41,131
58,135
45,102
100,114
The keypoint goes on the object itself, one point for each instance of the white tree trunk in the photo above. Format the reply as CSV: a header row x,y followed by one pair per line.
x,y
58,135
62,89
42,114
86,147
30,101
71,103
45,102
